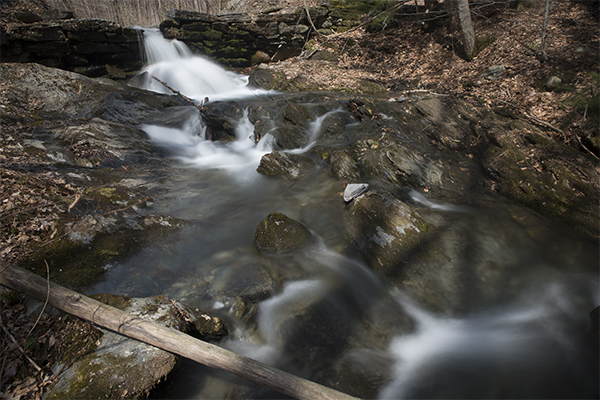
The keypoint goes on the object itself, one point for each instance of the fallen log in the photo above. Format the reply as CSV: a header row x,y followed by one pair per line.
x,y
162,337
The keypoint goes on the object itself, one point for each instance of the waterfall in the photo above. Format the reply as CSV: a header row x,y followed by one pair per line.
x,y
326,315
195,76
200,78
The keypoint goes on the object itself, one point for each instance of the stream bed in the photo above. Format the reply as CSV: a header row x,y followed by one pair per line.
x,y
494,303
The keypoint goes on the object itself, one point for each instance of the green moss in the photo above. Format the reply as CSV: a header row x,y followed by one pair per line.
x,y
111,195
80,265
279,234
9,296
95,377
79,339
212,34
544,183
120,302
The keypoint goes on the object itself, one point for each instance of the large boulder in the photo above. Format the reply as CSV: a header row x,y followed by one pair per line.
x,y
385,230
278,163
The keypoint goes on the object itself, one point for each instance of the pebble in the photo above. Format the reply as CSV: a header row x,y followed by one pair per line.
x,y
354,190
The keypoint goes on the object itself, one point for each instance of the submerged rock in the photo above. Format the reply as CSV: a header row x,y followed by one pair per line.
x,y
279,235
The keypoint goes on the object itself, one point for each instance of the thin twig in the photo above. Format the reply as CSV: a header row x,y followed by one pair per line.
x,y
178,93
588,150
539,121
45,303
18,345
77,197
128,207
426,91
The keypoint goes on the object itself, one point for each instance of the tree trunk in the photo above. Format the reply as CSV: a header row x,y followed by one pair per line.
x,y
459,11
543,55
165,338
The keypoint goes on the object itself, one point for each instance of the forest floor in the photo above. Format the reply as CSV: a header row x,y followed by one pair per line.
x,y
409,56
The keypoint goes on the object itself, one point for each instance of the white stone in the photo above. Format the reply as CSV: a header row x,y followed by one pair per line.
x,y
354,190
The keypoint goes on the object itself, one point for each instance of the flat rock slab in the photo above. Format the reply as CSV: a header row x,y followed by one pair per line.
x,y
121,367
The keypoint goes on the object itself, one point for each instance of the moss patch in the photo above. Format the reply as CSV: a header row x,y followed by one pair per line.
x,y
279,234
120,302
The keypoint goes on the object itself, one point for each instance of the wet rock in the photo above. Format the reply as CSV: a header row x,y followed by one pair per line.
x,y
105,144
69,93
260,57
363,372
291,122
595,318
265,78
278,163
431,108
344,166
251,283
384,229
55,14
278,234
548,177
27,17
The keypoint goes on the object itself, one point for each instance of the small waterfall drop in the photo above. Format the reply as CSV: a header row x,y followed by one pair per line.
x,y
199,78
195,76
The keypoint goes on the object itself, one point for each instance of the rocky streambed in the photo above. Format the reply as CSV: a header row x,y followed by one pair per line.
x,y
467,209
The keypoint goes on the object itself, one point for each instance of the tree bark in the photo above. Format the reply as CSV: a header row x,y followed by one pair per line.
x,y
165,338
543,55
460,12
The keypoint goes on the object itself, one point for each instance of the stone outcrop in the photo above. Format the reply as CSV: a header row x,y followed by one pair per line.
x,y
240,40
89,46
122,367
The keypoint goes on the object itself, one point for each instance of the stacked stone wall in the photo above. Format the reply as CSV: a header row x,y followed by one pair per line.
x,y
241,40
92,47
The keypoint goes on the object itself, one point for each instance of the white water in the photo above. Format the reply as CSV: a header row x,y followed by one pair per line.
x,y
444,357
494,354
195,76
199,78
314,128
435,205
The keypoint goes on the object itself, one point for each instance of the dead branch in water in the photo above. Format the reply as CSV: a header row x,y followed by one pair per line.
x,y
168,339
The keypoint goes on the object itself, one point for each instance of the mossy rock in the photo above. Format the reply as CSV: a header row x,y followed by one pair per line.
x,y
548,177
365,86
278,234
113,300
81,264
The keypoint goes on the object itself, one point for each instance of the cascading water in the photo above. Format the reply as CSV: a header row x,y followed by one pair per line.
x,y
196,77
330,318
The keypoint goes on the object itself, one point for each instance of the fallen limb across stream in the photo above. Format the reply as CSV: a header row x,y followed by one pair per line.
x,y
165,338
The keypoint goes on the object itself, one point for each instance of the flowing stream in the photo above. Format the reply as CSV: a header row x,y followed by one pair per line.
x,y
330,318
